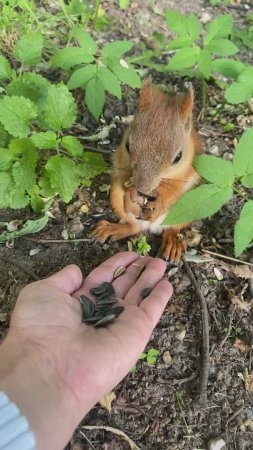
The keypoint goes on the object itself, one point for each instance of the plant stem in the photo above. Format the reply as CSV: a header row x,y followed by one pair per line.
x,y
218,110
242,194
203,94
97,4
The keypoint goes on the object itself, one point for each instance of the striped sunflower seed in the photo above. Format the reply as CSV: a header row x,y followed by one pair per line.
x,y
88,307
145,292
102,289
105,321
119,271
117,310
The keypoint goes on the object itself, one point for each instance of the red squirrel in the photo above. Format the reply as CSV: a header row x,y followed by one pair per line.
x,y
152,168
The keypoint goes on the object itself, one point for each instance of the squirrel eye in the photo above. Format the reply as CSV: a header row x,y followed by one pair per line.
x,y
178,157
127,146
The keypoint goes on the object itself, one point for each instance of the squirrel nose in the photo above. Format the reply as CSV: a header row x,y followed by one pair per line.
x,y
150,197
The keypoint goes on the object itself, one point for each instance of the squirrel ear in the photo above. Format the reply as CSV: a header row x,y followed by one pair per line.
x,y
146,93
187,103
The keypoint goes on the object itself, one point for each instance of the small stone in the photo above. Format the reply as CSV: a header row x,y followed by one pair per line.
x,y
216,444
167,357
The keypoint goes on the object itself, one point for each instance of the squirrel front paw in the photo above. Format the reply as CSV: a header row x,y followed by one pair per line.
x,y
150,211
173,245
133,202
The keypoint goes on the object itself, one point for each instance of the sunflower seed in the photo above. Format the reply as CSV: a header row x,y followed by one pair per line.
x,y
119,271
88,307
93,319
103,288
106,301
117,310
105,321
102,312
145,292
141,270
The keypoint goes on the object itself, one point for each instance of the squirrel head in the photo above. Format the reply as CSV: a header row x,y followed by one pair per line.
x,y
157,142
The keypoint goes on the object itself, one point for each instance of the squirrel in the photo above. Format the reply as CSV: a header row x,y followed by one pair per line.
x,y
152,168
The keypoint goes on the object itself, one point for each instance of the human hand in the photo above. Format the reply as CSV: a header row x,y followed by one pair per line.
x,y
77,364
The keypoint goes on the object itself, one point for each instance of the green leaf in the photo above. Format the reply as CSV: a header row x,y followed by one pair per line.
x,y
199,203
184,58
23,170
176,22
16,114
31,226
46,189
5,69
244,228
179,42
126,75
238,93
246,77
220,27
205,63
95,97
247,180
5,159
243,156
109,81
18,147
228,67
215,170
70,56
85,40
142,356
81,76
222,47
28,48
93,165
64,176
193,26
153,352
114,50
123,4
60,109
18,200
5,180
37,203
45,140
72,145
32,86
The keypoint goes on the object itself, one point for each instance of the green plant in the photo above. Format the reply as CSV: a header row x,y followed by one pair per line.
x,y
150,358
223,179
99,70
141,245
38,157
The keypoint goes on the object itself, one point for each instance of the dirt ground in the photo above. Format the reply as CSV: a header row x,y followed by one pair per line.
x,y
156,405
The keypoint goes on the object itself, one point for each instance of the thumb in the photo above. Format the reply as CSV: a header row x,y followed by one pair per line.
x,y
68,279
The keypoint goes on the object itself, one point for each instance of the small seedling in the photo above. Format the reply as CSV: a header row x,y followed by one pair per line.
x,y
141,245
150,358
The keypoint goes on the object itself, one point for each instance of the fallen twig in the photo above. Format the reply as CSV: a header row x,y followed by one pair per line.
x,y
133,446
55,241
204,371
219,255
87,439
21,266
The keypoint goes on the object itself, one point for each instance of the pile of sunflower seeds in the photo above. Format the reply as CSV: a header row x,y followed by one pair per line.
x,y
104,311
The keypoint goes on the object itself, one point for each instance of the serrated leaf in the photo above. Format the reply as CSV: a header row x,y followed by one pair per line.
x,y
228,67
85,40
246,76
222,47
16,114
45,140
114,50
179,42
31,226
30,85
109,81
238,93
18,146
247,180
70,56
23,170
184,58
46,189
198,204
5,180
28,48
64,176
243,156
60,108
176,21
81,76
205,63
215,170
37,204
126,75
72,145
5,159
18,200
220,27
95,97
193,26
93,165
244,228
5,68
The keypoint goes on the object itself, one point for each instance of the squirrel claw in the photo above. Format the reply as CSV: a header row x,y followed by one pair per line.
x,y
173,246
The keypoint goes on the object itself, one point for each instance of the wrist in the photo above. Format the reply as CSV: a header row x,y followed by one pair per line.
x,y
29,378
